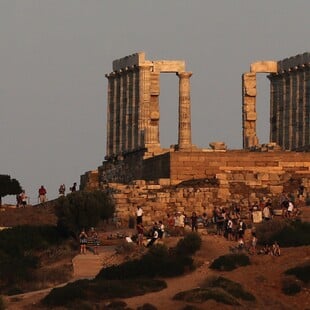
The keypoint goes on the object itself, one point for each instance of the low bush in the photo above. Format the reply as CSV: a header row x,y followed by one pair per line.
x,y
147,306
199,295
83,210
65,295
188,245
301,272
115,305
19,246
97,290
233,288
290,286
156,262
286,233
229,262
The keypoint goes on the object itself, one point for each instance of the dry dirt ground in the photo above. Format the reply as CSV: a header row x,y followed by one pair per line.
x,y
262,278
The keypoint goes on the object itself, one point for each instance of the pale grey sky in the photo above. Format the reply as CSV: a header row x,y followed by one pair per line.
x,y
54,55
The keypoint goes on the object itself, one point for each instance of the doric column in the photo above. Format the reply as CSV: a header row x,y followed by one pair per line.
x,y
295,108
135,108
307,106
144,102
184,135
121,112
110,107
286,119
301,110
249,116
117,92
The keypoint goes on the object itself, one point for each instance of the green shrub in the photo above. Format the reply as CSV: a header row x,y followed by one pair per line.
x,y
18,247
199,295
156,262
301,272
233,288
229,262
286,233
115,305
147,306
290,286
98,290
83,210
189,244
65,295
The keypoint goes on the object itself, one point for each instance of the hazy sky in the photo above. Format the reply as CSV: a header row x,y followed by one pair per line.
x,y
54,55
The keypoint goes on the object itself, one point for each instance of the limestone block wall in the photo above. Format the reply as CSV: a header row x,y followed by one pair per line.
x,y
89,180
198,181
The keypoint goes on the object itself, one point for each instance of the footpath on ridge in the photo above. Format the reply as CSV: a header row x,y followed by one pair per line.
x,y
88,265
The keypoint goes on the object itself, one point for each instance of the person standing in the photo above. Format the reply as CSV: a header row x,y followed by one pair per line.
x,y
73,188
23,199
194,223
139,214
83,241
62,190
42,194
140,232
95,239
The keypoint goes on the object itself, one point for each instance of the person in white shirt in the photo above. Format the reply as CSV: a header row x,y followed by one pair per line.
x,y
139,214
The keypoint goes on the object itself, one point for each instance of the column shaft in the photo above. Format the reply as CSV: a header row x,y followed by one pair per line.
x,y
184,135
144,102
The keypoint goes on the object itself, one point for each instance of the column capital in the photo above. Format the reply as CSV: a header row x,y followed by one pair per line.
x,y
184,74
144,67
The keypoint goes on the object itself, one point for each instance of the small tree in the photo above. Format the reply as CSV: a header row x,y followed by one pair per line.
x,y
83,210
8,186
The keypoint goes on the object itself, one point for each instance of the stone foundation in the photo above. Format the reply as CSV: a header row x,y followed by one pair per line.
x,y
198,181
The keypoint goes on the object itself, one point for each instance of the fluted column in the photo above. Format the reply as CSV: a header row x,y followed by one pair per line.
x,y
184,135
109,114
144,101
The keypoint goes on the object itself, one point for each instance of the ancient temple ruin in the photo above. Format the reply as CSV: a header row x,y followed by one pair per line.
x,y
137,171
133,105
289,102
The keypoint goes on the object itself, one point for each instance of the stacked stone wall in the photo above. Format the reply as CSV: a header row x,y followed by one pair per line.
x,y
198,181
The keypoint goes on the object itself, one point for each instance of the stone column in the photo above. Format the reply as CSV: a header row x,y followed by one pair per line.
x,y
121,111
301,95
117,92
144,102
184,135
286,119
295,107
250,138
135,108
110,107
307,105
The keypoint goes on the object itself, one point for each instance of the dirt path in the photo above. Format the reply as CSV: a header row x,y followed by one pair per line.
x,y
84,266
262,278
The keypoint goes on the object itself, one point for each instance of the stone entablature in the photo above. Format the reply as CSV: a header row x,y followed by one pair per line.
x,y
133,105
